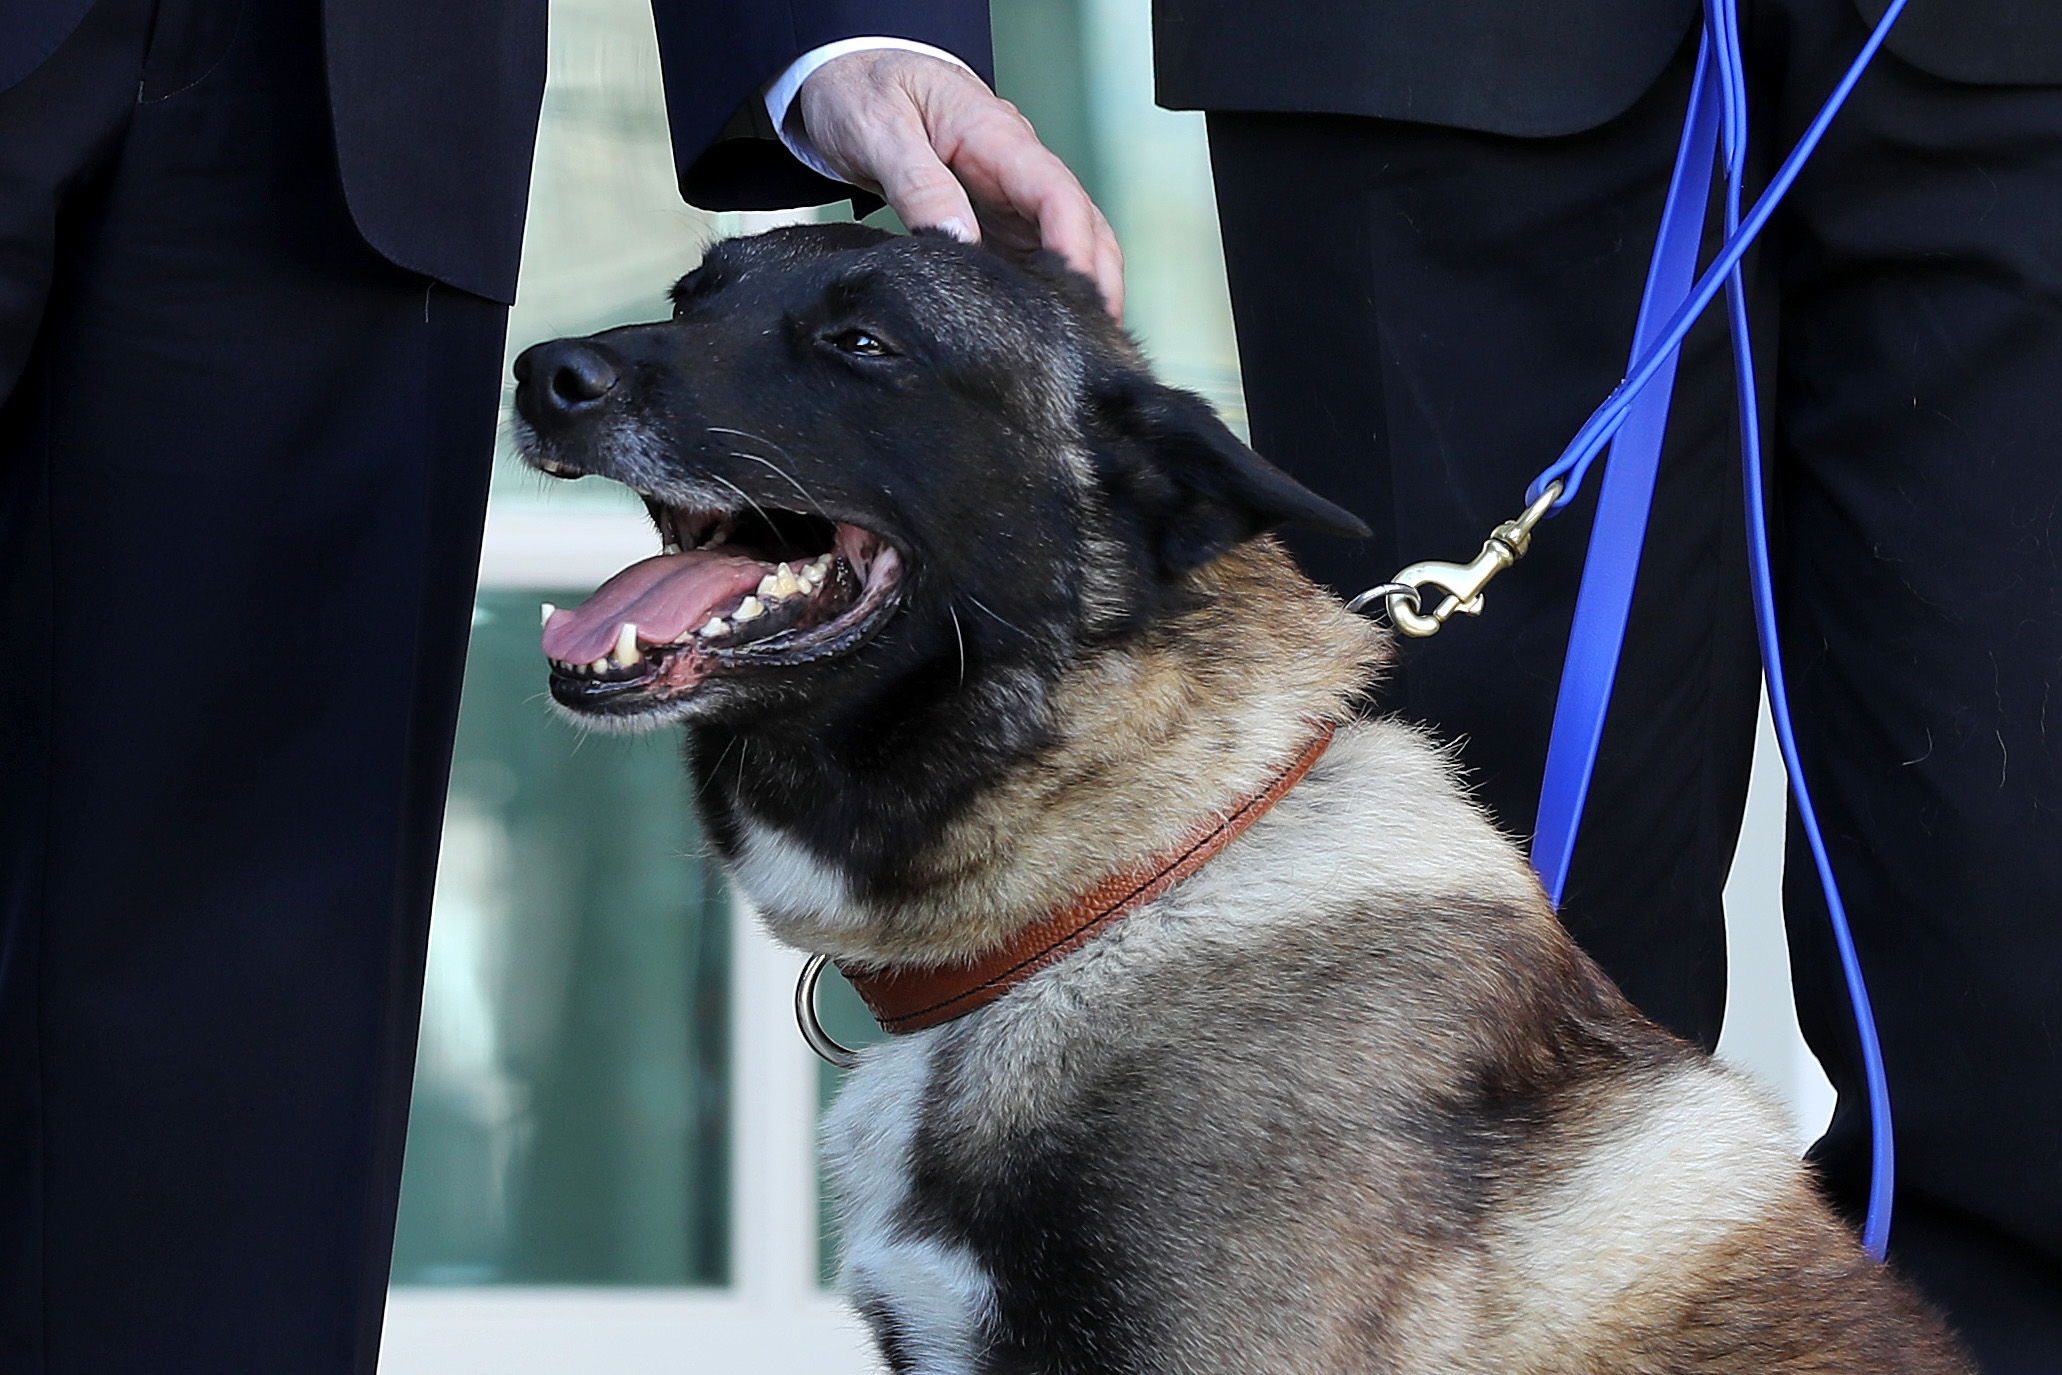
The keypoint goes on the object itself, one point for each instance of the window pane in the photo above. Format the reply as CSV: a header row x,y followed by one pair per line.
x,y
570,1113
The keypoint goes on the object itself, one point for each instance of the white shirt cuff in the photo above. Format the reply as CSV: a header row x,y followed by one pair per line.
x,y
782,90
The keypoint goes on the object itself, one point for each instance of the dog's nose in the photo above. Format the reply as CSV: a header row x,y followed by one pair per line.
x,y
563,378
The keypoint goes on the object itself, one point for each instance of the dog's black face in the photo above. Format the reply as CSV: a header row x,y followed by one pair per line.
x,y
879,464
909,484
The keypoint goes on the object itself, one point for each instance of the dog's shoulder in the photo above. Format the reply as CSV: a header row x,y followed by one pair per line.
x,y
1515,1164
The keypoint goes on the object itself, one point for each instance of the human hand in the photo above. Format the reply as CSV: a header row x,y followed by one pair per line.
x,y
947,153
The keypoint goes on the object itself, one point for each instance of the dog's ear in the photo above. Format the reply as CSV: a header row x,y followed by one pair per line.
x,y
1193,488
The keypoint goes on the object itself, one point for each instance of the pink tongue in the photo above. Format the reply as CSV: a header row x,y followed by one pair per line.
x,y
663,595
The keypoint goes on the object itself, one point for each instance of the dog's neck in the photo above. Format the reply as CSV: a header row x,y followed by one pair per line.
x,y
1142,740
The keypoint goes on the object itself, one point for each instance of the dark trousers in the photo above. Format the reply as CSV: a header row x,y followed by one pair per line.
x,y
1426,315
242,474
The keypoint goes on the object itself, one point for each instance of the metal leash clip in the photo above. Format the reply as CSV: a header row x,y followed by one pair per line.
x,y
1462,583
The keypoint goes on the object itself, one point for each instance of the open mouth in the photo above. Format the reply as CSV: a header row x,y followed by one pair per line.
x,y
733,591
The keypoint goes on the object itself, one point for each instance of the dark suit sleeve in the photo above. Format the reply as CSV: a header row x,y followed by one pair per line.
x,y
718,54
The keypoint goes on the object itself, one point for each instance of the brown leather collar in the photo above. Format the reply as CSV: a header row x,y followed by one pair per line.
x,y
912,999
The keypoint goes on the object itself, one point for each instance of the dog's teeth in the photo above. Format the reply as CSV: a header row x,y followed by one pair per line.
x,y
785,581
815,572
716,626
600,665
719,537
549,611
750,609
626,645
670,547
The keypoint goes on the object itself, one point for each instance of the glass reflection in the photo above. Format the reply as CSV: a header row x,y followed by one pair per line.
x,y
569,1123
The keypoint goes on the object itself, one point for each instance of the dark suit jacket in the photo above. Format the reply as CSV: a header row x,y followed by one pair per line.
x,y
1526,67
435,103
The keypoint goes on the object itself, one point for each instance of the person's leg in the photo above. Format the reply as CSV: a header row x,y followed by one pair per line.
x,y
1919,485
58,127
241,483
1425,317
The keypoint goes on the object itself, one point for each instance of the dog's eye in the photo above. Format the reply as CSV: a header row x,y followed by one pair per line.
x,y
861,344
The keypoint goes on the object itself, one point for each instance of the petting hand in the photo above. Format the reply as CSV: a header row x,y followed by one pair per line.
x,y
947,153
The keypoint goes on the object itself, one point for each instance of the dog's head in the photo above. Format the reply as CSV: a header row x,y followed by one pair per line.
x,y
878,464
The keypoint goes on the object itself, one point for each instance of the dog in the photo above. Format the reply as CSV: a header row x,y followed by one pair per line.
x,y
1235,1036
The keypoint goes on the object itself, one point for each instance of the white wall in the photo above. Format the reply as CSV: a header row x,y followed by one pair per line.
x,y
1761,1035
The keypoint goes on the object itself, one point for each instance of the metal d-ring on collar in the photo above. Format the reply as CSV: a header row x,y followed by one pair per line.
x,y
822,1042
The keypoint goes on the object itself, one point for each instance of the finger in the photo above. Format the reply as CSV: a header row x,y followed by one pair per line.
x,y
1028,179
1109,268
919,186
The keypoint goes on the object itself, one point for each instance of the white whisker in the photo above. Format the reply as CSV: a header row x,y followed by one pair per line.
x,y
743,494
995,616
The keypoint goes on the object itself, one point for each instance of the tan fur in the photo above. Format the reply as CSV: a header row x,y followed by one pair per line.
x,y
1198,713
1302,1027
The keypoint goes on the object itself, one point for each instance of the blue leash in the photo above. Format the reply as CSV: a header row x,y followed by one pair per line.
x,y
1632,421
1597,634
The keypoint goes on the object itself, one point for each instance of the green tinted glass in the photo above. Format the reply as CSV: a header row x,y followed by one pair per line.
x,y
570,1112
